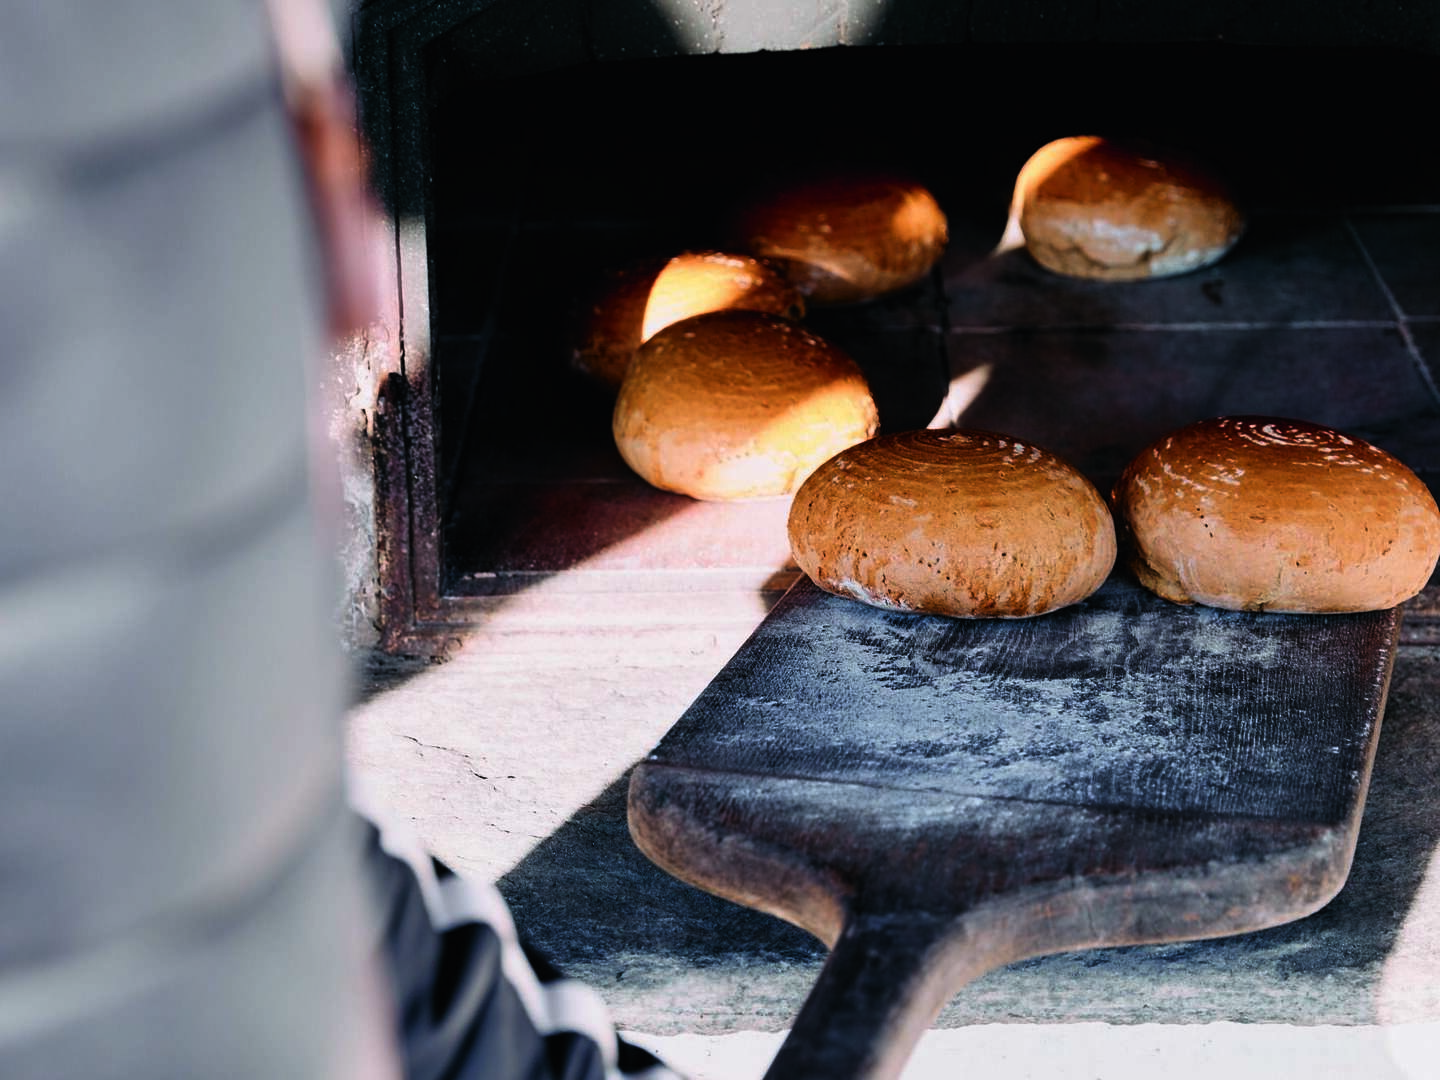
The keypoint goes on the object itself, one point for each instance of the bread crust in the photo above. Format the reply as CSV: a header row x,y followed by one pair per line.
x,y
637,301
848,239
738,405
971,524
1271,514
1092,207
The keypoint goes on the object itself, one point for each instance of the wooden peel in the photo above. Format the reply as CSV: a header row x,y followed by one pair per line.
x,y
935,798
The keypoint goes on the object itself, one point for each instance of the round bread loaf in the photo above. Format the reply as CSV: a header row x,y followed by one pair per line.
x,y
738,405
846,239
1265,514
637,301
1095,208
966,523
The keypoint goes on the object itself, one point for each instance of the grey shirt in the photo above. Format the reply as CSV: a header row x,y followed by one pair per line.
x,y
177,871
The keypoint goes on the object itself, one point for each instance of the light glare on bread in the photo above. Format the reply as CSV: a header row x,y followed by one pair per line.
x,y
738,405
638,301
847,239
1091,207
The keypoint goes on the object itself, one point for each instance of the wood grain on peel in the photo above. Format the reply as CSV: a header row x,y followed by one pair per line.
x,y
971,524
1095,208
848,239
738,405
1121,700
636,302
1267,514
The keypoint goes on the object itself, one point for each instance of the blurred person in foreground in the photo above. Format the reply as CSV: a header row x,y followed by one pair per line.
x,y
184,891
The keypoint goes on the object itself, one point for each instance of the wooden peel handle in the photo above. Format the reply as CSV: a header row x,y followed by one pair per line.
x,y
885,981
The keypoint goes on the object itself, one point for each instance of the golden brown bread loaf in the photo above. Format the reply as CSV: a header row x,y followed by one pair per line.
x,y
1095,208
738,405
1266,514
637,301
846,239
966,523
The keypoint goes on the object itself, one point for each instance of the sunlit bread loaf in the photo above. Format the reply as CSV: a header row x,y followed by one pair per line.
x,y
635,302
847,239
738,405
1264,514
1095,208
965,523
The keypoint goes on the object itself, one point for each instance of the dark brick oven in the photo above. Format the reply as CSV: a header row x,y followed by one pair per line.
x,y
519,146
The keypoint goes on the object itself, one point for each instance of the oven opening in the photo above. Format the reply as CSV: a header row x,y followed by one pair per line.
x,y
538,181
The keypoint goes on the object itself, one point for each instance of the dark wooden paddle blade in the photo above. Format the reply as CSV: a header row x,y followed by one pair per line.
x,y
974,792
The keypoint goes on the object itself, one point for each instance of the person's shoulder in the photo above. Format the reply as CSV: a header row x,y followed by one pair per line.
x,y
74,73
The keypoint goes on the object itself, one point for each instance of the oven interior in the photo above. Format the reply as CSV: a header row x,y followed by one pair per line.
x,y
536,179
539,181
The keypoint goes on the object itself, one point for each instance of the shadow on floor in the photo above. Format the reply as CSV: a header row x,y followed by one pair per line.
x,y
586,894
